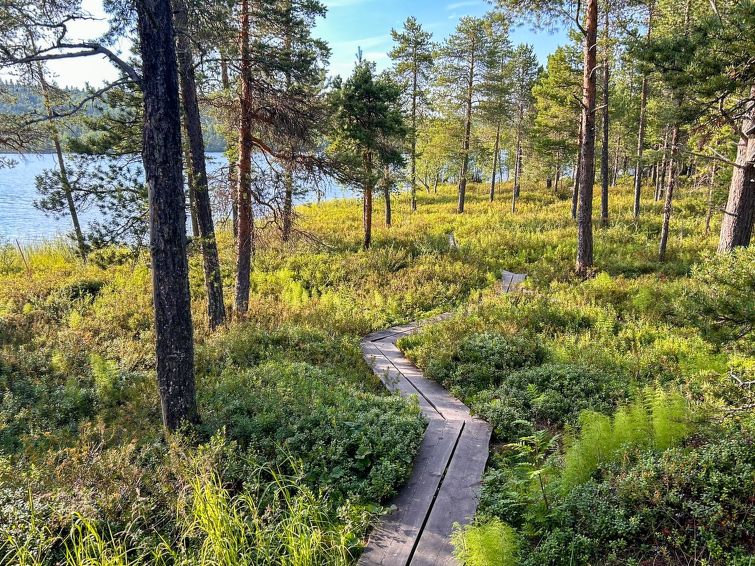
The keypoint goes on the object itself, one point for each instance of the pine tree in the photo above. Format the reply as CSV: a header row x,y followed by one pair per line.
x,y
498,88
525,70
367,132
413,60
162,165
462,61
557,111
201,210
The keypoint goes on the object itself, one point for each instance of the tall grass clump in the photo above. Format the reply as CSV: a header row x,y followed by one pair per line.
x,y
279,521
658,420
274,520
493,543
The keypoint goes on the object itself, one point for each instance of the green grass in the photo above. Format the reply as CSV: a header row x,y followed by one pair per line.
x,y
300,444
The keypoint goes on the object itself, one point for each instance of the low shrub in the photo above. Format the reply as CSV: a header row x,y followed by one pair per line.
x,y
484,360
550,395
358,445
683,505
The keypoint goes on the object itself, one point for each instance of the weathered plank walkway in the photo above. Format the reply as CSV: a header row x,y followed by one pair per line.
x,y
445,481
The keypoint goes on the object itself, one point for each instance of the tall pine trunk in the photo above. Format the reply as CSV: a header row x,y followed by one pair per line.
x,y
739,214
641,129
467,135
174,346
584,261
711,189
202,208
604,156
415,72
226,82
244,240
669,197
288,204
65,182
517,172
495,160
577,167
516,189
616,161
288,176
387,198
367,203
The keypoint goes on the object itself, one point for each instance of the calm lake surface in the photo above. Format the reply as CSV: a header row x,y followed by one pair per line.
x,y
20,220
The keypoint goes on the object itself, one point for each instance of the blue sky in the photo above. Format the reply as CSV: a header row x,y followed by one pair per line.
x,y
367,23
350,24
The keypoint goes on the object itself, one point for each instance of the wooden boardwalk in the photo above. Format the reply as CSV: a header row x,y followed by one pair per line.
x,y
445,481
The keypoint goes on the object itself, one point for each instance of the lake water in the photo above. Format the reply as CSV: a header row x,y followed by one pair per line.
x,y
20,220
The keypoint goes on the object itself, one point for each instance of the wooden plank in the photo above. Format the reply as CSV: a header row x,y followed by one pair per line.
x,y
392,541
450,407
394,380
457,498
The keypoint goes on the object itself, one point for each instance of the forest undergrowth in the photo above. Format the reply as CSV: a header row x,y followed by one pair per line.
x,y
613,398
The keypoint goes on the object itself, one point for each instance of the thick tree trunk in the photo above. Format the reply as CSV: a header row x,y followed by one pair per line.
x,y
496,149
202,208
711,189
669,192
244,240
604,171
739,214
584,261
288,176
558,172
467,136
167,220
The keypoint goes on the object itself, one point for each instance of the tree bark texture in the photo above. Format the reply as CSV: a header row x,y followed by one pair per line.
x,y
604,157
584,261
167,220
496,149
202,209
245,230
467,135
739,214
669,196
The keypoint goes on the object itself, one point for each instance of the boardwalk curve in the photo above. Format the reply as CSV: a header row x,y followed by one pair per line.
x,y
445,481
